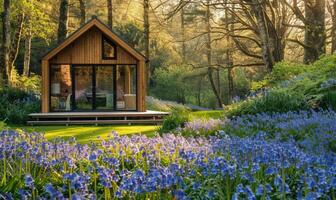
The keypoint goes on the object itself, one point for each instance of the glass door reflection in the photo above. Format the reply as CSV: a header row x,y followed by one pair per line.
x,y
104,87
126,87
83,98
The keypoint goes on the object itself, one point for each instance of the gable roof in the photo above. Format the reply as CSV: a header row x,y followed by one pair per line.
x,y
94,22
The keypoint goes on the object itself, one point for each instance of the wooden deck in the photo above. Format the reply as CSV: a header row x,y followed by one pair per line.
x,y
68,118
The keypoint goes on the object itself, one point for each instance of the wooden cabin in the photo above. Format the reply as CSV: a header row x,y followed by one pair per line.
x,y
93,76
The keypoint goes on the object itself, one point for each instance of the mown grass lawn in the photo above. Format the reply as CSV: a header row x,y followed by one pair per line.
x,y
207,114
85,133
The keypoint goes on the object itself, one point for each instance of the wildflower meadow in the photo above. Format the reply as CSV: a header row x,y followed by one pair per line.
x,y
264,156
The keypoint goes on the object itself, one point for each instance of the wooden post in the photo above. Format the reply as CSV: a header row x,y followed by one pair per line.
x,y
141,86
45,86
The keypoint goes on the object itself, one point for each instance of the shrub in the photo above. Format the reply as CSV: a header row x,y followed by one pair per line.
x,y
15,105
173,121
272,101
28,84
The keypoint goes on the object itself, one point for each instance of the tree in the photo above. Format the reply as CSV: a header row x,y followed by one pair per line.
x,y
146,38
264,25
82,8
110,13
228,54
15,45
27,52
5,40
183,48
332,10
209,55
260,15
63,20
313,19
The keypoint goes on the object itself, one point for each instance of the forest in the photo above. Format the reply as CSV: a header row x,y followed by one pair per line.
x,y
207,53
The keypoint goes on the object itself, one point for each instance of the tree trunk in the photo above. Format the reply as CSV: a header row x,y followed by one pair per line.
x,y
27,53
199,92
229,58
259,13
315,35
82,8
109,13
15,46
63,20
333,30
209,56
146,38
5,40
183,36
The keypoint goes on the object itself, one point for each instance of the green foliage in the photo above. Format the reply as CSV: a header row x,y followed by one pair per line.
x,y
272,101
329,100
294,86
282,71
170,83
173,121
131,33
29,84
15,105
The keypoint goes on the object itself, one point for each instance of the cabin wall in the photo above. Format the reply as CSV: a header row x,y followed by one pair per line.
x,y
87,49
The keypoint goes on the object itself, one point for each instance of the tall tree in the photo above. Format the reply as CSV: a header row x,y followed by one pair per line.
x,y
262,30
5,40
63,20
332,10
27,51
313,19
15,45
183,38
228,54
110,13
210,70
260,15
82,9
314,30
146,38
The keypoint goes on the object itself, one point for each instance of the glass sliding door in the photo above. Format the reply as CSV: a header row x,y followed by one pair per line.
x,y
104,87
60,88
126,87
83,87
93,87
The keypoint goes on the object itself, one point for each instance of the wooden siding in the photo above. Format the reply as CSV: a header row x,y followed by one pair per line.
x,y
87,49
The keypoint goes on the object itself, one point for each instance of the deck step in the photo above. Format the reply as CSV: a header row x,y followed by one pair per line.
x,y
146,121
67,118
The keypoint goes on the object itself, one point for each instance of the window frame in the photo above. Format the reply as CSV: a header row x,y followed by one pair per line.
x,y
110,42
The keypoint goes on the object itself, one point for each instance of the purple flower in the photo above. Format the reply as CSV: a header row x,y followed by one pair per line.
x,y
29,181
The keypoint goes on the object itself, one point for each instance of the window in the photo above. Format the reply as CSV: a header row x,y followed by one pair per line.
x,y
109,49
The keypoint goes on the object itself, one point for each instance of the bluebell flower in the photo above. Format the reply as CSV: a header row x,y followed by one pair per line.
x,y
180,195
260,190
29,181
